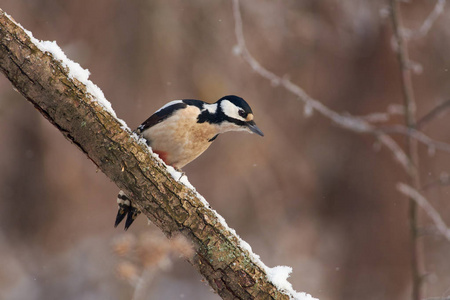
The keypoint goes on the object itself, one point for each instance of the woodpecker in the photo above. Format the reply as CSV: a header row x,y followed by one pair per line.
x,y
181,130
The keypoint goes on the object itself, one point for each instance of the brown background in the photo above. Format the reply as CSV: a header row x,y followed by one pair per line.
x,y
309,194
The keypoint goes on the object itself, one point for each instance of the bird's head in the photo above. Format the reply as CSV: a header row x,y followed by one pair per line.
x,y
236,115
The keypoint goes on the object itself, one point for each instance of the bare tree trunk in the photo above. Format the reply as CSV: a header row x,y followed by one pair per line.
x,y
219,254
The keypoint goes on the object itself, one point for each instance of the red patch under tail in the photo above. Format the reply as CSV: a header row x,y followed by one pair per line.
x,y
162,155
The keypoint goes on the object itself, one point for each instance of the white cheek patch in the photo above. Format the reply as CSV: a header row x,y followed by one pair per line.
x,y
211,108
231,110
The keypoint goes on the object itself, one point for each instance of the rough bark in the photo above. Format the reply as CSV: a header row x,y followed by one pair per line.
x,y
173,207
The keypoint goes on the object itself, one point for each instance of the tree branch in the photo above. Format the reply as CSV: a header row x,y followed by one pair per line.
x,y
428,22
416,135
412,150
436,112
75,106
412,193
349,122
364,124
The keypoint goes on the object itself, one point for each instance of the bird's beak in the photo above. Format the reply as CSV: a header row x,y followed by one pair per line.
x,y
252,126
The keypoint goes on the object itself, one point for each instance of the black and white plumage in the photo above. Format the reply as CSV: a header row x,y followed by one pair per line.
x,y
181,130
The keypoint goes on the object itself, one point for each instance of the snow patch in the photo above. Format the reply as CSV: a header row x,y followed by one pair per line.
x,y
183,179
277,275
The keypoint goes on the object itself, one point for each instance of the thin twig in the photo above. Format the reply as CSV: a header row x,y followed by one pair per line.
x,y
359,124
417,135
429,21
349,122
362,124
378,117
410,120
399,155
403,58
412,193
443,180
439,110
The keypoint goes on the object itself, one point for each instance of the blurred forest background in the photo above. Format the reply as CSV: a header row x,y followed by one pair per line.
x,y
309,194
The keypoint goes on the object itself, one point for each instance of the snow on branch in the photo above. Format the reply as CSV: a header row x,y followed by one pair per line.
x,y
61,90
75,71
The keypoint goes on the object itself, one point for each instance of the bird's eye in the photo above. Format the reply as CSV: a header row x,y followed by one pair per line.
x,y
243,114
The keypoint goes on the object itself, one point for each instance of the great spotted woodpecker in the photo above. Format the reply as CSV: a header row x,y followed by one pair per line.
x,y
181,130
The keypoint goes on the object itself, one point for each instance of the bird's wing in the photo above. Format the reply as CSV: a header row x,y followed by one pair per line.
x,y
160,115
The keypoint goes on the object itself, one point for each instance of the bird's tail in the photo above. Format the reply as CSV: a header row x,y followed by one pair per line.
x,y
126,208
